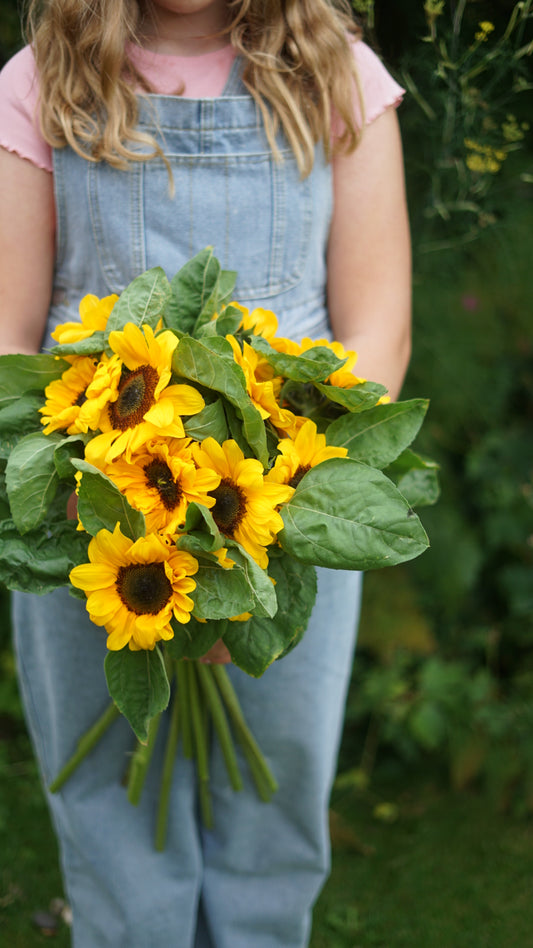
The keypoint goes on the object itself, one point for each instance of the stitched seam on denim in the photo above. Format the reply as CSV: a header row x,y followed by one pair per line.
x,y
190,167
228,211
138,262
59,192
278,231
109,271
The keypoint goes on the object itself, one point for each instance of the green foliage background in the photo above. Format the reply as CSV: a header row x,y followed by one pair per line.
x,y
444,665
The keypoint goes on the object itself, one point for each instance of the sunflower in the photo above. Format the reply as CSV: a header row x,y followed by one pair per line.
x,y
140,404
94,313
260,322
245,502
134,588
65,397
299,455
261,384
161,479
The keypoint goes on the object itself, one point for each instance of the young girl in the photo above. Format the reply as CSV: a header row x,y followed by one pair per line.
x,y
134,133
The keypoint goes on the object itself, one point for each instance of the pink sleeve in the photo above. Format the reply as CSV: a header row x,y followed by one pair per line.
x,y
379,90
19,126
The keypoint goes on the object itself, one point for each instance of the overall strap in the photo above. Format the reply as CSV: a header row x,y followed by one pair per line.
x,y
234,84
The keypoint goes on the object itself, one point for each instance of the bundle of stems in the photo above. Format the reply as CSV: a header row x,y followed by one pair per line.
x,y
203,699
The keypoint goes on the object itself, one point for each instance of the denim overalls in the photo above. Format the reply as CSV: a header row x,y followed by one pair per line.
x,y
251,882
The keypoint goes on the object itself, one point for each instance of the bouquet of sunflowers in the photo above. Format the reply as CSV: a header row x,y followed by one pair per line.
x,y
215,464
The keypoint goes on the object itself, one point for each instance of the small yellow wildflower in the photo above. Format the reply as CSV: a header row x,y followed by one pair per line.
x,y
485,28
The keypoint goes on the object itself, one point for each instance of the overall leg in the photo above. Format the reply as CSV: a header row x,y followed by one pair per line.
x,y
123,893
265,864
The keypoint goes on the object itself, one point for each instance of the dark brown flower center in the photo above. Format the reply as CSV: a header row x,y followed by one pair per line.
x,y
135,396
144,588
230,506
159,475
298,474
81,399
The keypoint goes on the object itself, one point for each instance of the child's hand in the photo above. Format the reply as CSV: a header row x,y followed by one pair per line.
x,y
217,655
72,507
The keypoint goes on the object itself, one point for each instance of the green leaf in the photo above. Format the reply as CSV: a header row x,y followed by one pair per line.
x,y
416,478
200,532
17,419
41,560
264,595
255,644
226,324
234,423
70,447
143,301
193,288
194,639
91,345
221,592
379,435
427,724
31,479
359,398
208,423
101,505
314,365
226,286
210,362
25,373
138,684
347,515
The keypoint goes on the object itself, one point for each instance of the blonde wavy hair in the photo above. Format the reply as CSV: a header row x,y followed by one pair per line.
x,y
298,67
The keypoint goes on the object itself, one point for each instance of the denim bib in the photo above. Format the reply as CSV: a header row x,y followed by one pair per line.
x,y
262,219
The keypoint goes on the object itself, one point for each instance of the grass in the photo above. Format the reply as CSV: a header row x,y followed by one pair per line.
x,y
447,872
414,865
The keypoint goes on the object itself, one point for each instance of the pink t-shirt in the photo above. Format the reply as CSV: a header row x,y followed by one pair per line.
x,y
201,76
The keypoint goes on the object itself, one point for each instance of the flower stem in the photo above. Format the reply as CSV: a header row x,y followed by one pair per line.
x,y
183,698
85,744
264,779
166,778
199,729
140,761
220,721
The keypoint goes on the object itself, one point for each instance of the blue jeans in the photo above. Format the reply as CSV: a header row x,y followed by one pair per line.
x,y
252,881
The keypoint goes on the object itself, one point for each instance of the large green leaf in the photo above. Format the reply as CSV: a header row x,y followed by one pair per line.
x,y
25,373
41,560
208,423
347,515
101,505
32,479
193,288
138,684
264,595
379,435
142,302
17,419
73,446
314,365
210,362
416,478
255,644
221,592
